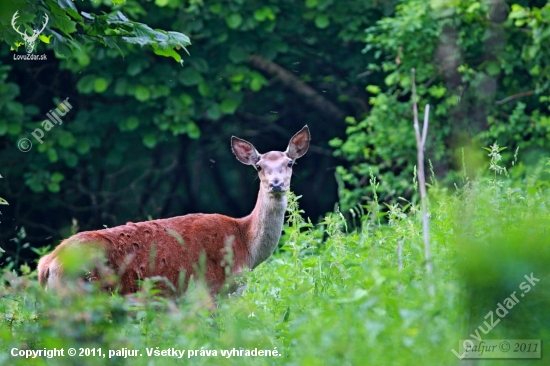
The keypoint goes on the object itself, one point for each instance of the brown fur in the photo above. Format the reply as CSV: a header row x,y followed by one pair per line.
x,y
44,269
130,246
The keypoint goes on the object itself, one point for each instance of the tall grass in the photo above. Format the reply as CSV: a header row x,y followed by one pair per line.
x,y
330,295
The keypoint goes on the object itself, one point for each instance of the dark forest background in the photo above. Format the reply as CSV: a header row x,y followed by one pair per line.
x,y
148,137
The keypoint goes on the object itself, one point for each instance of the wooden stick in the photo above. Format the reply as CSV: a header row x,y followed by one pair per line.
x,y
420,144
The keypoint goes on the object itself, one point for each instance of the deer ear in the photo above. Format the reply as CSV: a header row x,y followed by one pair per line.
x,y
298,144
245,152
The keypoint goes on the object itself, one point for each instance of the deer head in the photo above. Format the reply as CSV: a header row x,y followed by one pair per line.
x,y
29,40
274,167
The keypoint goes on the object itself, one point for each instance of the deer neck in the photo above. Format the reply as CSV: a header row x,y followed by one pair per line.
x,y
265,224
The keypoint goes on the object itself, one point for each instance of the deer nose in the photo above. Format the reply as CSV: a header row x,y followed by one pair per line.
x,y
276,186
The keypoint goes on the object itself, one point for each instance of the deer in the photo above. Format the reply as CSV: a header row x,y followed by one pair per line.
x,y
176,249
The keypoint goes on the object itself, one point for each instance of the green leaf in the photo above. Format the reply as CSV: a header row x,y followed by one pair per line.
x,y
83,147
65,24
311,3
473,7
60,44
259,15
189,77
14,129
493,68
150,141
142,93
167,53
142,41
263,14
109,42
160,91
66,4
82,58
234,20
230,104
322,21
177,39
257,81
74,14
130,124
44,38
437,91
70,8
3,201
204,89
186,100
57,177
122,17
216,8
213,112
193,131
237,78
71,159
373,89
52,155
66,139
86,84
14,108
54,187
100,85
256,84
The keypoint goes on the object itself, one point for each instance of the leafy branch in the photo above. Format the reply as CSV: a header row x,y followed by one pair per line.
x,y
73,28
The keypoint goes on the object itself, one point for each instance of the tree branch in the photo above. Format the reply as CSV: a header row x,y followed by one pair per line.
x,y
299,87
515,96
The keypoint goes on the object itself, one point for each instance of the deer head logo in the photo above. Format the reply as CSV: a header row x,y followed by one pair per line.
x,y
29,40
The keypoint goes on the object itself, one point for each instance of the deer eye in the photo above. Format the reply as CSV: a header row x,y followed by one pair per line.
x,y
290,164
258,167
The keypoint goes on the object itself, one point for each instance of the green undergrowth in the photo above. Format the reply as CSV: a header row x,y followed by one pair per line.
x,y
330,295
